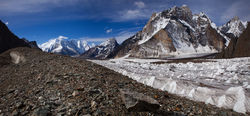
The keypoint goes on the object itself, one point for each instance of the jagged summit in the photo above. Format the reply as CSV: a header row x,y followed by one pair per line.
x,y
177,31
111,41
235,27
102,51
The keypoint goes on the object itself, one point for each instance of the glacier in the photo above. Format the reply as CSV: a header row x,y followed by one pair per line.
x,y
220,82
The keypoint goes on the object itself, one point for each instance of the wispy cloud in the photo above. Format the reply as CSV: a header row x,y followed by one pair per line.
x,y
12,7
124,35
108,31
139,4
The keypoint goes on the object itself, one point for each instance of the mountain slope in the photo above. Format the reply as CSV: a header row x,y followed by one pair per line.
x,y
176,32
8,40
63,46
102,51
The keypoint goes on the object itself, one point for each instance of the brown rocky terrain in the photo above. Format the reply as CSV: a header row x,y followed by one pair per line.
x,y
41,84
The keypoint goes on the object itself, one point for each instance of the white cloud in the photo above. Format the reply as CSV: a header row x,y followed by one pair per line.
x,y
131,15
7,23
88,39
109,31
139,4
120,37
124,35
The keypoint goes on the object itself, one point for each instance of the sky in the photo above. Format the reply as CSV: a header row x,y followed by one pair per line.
x,y
98,20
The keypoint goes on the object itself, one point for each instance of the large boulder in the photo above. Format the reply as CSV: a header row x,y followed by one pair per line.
x,y
138,102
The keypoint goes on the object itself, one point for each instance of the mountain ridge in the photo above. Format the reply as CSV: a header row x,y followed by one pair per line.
x,y
102,51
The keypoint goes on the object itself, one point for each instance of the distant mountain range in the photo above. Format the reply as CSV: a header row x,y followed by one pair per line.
x,y
62,45
175,32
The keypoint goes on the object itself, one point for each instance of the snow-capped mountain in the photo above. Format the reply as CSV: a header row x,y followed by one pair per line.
x,y
235,26
62,45
102,51
176,32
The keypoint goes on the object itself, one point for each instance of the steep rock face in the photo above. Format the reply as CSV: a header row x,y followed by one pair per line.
x,y
102,51
243,44
176,32
63,46
8,40
127,46
154,47
234,27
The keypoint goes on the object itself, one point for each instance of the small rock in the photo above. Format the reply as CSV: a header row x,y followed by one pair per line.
x,y
93,105
75,93
15,113
43,111
94,91
86,115
19,105
135,101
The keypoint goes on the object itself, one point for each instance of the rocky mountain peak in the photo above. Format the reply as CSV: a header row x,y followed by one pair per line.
x,y
177,31
183,12
235,18
234,27
111,41
102,51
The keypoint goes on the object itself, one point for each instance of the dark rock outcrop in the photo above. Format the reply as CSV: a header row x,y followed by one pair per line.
x,y
32,44
8,40
127,45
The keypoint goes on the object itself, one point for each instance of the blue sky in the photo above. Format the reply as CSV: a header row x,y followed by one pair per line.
x,y
97,20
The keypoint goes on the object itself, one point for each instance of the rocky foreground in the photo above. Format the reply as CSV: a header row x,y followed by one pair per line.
x,y
41,84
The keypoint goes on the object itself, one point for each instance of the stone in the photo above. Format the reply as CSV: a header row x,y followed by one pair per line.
x,y
15,113
75,93
42,111
17,57
138,102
